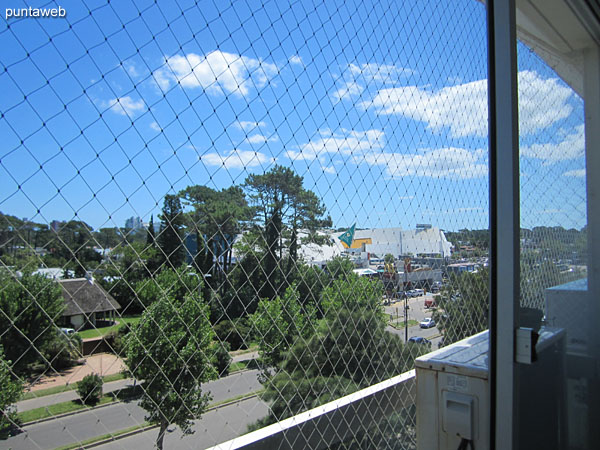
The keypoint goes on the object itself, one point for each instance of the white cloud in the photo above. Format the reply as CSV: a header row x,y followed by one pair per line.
x,y
237,159
249,126
295,59
463,108
162,79
257,139
450,162
385,73
345,142
260,139
366,147
155,127
125,106
330,170
357,78
350,89
131,69
577,173
572,146
218,72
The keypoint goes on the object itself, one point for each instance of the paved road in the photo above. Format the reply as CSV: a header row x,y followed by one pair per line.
x,y
418,312
215,427
96,422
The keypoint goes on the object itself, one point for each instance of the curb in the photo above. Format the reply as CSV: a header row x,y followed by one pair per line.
x,y
151,427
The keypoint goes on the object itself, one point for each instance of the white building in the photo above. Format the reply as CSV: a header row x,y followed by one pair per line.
x,y
425,240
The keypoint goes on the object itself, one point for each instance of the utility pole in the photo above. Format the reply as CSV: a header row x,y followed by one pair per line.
x,y
406,267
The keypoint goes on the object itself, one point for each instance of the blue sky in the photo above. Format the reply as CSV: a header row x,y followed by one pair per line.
x,y
381,107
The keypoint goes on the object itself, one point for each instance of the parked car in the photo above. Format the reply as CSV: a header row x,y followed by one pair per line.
x,y
68,331
419,340
429,302
427,323
419,292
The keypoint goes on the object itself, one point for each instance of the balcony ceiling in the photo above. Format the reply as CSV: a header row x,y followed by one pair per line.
x,y
558,31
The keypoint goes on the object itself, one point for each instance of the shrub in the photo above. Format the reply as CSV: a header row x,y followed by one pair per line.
x,y
90,389
221,358
63,351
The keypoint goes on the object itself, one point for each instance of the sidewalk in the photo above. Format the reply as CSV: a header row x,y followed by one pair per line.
x,y
102,364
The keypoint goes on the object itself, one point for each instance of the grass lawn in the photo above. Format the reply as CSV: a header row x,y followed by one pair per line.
x,y
240,365
105,436
97,332
67,387
400,323
252,348
58,408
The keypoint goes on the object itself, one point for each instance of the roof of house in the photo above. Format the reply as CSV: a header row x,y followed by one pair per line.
x,y
83,296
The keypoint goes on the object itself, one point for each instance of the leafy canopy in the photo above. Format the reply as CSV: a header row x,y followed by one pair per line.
x,y
170,350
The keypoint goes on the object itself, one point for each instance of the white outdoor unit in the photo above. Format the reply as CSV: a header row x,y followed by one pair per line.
x,y
568,307
452,395
453,403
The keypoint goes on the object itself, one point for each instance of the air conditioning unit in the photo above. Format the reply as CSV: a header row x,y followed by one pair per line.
x,y
453,402
567,307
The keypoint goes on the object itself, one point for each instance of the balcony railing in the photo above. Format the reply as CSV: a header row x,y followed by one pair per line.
x,y
334,422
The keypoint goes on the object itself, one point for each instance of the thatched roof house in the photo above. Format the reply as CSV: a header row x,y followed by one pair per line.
x,y
86,301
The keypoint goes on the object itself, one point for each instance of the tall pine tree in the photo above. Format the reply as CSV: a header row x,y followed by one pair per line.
x,y
170,238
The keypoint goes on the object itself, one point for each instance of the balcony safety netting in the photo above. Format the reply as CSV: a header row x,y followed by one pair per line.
x,y
215,216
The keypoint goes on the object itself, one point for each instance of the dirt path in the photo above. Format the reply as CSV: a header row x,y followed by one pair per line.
x,y
102,364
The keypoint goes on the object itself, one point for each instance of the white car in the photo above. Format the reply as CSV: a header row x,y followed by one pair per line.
x,y
427,323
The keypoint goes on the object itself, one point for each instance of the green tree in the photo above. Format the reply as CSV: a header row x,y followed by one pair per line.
x,y
170,351
108,237
463,306
170,238
150,233
277,323
130,264
221,359
217,218
311,281
72,246
282,207
349,350
168,283
30,307
353,293
339,268
10,392
89,389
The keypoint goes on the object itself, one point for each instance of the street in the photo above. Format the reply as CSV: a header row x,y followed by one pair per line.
x,y
215,427
109,419
417,312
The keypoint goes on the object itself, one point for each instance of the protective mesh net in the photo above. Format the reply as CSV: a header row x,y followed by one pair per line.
x,y
233,213
553,191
